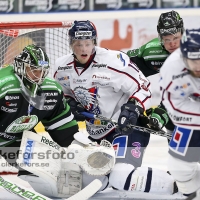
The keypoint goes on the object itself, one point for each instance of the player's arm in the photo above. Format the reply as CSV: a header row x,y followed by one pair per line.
x,y
61,124
181,109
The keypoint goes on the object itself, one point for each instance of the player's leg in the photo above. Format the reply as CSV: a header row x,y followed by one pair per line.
x,y
129,146
183,159
145,179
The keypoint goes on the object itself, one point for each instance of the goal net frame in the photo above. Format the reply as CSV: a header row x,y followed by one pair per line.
x,y
51,36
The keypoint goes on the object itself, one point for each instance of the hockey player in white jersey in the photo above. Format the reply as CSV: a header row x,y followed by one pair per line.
x,y
106,83
180,83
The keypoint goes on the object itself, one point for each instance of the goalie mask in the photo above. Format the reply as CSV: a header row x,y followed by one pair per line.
x,y
190,48
169,23
32,66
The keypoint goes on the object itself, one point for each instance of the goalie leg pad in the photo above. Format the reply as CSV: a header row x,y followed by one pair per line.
x,y
186,174
69,182
126,177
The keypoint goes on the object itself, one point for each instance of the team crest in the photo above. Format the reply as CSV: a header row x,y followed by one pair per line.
x,y
88,98
22,123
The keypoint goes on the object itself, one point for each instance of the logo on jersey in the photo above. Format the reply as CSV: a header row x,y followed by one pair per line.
x,y
101,76
64,78
79,81
51,93
8,110
10,104
119,56
22,123
120,146
65,68
88,98
6,87
180,140
6,79
11,97
157,63
136,151
99,66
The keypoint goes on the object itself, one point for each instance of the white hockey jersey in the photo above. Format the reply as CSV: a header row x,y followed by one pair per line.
x,y
103,86
180,92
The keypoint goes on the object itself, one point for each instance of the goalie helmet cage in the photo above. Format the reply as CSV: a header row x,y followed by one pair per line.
x,y
51,36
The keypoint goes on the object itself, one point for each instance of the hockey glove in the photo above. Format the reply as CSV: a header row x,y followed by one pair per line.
x,y
76,109
129,114
158,118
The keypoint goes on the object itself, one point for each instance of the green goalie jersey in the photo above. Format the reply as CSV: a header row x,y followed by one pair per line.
x,y
19,112
150,57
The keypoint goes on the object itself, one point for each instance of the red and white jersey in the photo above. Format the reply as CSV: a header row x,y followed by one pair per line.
x,y
180,92
106,82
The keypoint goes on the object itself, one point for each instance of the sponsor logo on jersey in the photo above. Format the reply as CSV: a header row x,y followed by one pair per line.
x,y
100,131
50,143
11,104
65,68
157,63
180,118
8,86
22,123
52,83
80,81
6,79
83,33
51,93
184,86
64,78
99,66
155,51
8,110
101,77
28,152
10,137
180,75
51,100
100,84
50,107
11,97
152,44
119,56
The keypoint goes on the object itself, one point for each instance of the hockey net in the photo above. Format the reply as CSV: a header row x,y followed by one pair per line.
x,y
14,36
51,36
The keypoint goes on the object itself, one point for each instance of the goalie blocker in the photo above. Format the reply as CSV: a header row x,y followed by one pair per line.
x,y
81,163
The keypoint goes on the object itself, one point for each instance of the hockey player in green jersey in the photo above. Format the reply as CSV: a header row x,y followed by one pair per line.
x,y
27,96
151,56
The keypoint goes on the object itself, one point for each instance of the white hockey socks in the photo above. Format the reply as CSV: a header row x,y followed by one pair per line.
x,y
186,174
126,177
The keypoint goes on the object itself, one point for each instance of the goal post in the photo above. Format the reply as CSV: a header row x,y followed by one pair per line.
x,y
51,36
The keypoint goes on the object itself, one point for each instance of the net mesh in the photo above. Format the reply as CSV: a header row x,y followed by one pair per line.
x,y
53,40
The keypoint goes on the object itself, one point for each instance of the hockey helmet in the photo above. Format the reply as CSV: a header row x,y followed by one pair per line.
x,y
169,23
82,30
32,66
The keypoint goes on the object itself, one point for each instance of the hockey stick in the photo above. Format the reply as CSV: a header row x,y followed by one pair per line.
x,y
143,129
30,194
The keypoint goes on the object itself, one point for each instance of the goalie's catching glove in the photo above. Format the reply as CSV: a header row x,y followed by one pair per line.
x,y
76,109
130,112
158,118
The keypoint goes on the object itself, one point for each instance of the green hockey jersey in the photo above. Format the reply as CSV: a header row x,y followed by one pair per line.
x,y
19,113
150,57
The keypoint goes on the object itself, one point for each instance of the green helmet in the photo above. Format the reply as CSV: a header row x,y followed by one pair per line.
x,y
32,66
